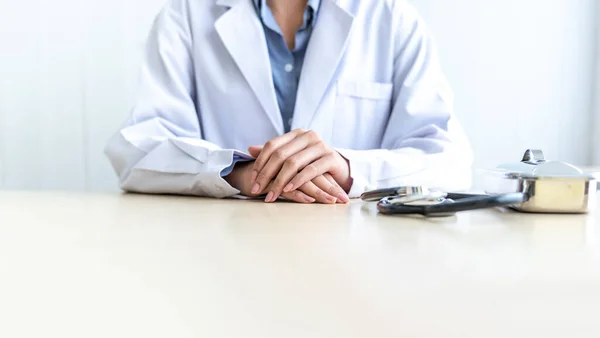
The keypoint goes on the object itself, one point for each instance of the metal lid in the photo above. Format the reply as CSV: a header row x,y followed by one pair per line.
x,y
534,165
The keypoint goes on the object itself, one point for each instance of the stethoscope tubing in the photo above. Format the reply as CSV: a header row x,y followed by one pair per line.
x,y
454,203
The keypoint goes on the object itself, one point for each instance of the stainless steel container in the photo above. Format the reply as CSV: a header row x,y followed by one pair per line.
x,y
551,186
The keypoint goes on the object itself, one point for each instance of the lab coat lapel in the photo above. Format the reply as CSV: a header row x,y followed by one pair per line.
x,y
242,33
325,50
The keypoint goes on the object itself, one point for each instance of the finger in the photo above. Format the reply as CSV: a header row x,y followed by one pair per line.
x,y
271,146
300,161
298,196
279,156
317,168
255,150
293,165
322,183
275,164
262,158
317,193
341,194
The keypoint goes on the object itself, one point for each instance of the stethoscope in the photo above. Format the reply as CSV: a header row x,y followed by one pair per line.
x,y
419,200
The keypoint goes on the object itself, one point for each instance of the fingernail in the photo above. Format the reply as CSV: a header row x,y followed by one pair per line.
x,y
288,187
254,176
255,188
310,199
344,198
269,197
332,199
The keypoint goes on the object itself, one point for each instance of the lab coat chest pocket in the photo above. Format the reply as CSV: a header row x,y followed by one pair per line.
x,y
362,110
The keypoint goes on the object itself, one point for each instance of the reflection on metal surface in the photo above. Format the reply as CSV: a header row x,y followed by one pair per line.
x,y
405,191
552,186
432,198
554,195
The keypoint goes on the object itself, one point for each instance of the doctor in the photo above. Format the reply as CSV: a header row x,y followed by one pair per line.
x,y
330,98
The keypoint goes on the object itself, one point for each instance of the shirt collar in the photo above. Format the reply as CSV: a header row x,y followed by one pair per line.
x,y
313,7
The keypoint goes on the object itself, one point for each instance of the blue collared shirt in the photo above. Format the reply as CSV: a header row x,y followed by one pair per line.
x,y
286,64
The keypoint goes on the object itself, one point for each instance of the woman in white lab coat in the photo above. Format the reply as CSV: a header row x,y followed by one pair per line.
x,y
372,107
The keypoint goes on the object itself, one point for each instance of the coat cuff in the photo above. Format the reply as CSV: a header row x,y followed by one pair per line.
x,y
236,159
226,161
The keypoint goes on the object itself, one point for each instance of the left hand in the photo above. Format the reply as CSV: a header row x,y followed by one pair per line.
x,y
293,159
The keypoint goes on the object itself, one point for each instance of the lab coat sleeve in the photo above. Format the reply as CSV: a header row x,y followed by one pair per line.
x,y
160,148
424,143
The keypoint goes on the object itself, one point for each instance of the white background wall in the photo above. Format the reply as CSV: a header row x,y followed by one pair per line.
x,y
68,70
596,107
523,73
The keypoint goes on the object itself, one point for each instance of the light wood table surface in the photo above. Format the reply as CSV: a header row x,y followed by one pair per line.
x,y
110,265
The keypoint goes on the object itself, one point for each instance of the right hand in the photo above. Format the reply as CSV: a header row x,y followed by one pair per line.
x,y
311,192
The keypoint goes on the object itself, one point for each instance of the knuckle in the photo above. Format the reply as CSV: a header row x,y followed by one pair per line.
x,y
279,154
262,175
278,182
291,163
313,134
312,169
269,145
298,196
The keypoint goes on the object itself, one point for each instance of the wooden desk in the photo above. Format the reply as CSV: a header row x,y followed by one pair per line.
x,y
77,265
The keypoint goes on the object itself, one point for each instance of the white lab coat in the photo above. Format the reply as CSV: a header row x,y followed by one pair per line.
x,y
371,87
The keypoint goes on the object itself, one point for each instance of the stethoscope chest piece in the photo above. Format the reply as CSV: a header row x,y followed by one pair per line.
x,y
422,201
408,192
431,198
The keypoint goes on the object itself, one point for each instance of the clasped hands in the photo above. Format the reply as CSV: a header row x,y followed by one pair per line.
x,y
297,166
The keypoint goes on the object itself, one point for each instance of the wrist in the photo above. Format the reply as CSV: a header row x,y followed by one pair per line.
x,y
234,176
346,183
239,176
231,178
344,179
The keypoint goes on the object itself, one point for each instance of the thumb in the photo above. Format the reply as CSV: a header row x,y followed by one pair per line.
x,y
255,150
